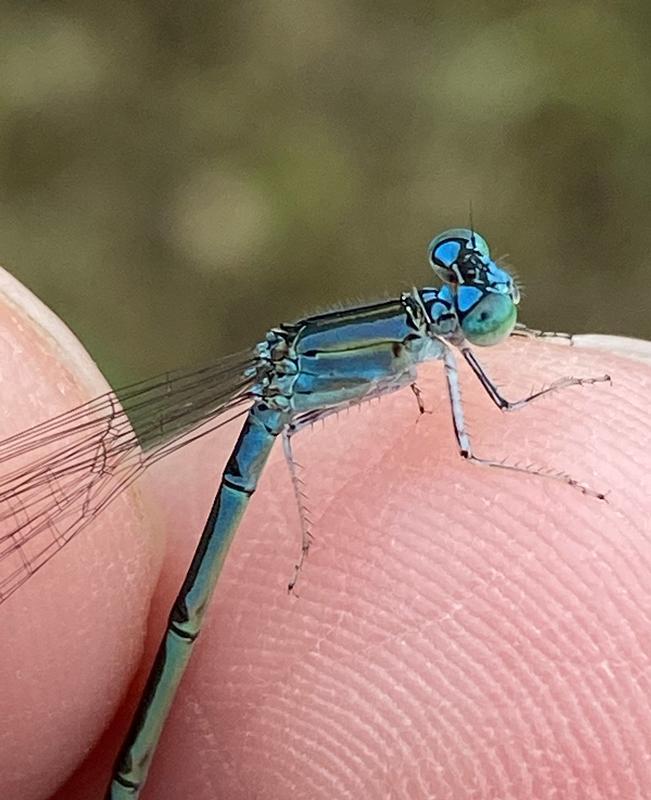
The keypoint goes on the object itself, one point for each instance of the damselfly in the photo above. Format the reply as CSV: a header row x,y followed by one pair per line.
x,y
61,474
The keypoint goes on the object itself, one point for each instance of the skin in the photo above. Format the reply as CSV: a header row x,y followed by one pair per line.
x,y
460,632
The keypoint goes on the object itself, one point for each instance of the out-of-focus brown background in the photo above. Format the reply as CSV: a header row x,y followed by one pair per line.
x,y
178,177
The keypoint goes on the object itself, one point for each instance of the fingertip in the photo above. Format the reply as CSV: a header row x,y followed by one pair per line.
x,y
439,600
628,347
76,626
34,338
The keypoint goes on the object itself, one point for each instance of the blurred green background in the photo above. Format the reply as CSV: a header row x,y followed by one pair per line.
x,y
178,177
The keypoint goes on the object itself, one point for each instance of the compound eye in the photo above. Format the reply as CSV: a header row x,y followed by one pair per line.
x,y
447,252
490,320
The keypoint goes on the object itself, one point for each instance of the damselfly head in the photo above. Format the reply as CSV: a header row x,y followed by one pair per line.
x,y
455,250
485,296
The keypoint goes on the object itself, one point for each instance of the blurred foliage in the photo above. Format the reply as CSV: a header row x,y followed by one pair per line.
x,y
178,177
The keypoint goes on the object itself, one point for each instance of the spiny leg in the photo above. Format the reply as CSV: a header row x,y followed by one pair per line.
x,y
419,398
534,333
506,405
465,446
303,511
309,419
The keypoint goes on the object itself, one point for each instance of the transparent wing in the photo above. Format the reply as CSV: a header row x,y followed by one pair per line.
x,y
58,476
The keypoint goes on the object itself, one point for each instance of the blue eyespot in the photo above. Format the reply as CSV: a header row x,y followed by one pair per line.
x,y
446,253
466,297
